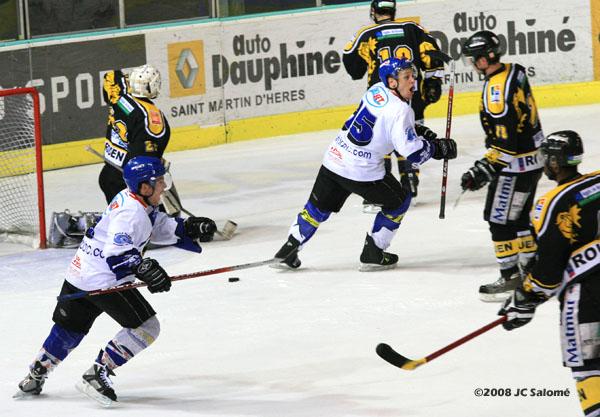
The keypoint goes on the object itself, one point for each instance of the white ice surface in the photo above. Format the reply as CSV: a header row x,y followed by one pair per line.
x,y
300,343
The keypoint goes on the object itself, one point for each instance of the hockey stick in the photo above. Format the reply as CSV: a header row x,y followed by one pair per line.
x,y
448,127
125,287
390,355
226,232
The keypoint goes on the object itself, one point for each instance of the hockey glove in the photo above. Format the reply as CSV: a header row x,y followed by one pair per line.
x,y
432,90
444,148
201,228
152,274
409,176
520,308
479,175
425,132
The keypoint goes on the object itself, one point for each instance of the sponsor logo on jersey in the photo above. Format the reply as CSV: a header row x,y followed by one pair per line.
x,y
390,33
377,97
537,211
155,117
113,205
122,239
495,93
88,249
333,150
124,105
584,259
571,347
589,191
76,262
114,155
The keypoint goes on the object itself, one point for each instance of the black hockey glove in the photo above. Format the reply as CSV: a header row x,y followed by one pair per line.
x,y
152,274
444,148
479,175
520,308
409,176
425,132
432,90
201,228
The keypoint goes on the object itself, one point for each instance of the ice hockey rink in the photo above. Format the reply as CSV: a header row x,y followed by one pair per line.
x,y
301,343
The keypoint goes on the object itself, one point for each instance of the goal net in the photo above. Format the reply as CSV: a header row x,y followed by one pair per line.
x,y
22,217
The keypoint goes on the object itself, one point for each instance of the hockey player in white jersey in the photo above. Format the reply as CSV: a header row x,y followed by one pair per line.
x,y
354,163
111,254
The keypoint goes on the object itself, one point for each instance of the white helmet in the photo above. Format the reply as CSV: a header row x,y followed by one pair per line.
x,y
145,81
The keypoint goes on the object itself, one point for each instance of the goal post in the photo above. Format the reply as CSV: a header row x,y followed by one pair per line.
x,y
22,212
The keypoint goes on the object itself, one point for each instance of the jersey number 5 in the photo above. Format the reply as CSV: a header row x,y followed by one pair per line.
x,y
360,126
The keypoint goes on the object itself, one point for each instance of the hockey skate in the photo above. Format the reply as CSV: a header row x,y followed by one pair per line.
x,y
501,289
96,384
288,254
374,259
33,383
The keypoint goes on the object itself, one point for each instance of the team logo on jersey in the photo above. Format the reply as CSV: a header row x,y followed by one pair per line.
x,y
377,97
495,93
122,239
566,222
410,134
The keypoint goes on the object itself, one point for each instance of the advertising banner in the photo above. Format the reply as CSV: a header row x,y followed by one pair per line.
x,y
69,78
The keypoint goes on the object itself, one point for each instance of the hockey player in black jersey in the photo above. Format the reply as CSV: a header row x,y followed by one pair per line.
x,y
567,227
136,127
390,38
512,165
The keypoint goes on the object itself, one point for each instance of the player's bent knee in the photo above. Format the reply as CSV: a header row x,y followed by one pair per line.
x,y
589,395
148,331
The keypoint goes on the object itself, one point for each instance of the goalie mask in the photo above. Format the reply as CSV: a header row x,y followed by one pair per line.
x,y
145,82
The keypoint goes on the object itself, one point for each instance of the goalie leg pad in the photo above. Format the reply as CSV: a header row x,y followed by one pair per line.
x,y
129,342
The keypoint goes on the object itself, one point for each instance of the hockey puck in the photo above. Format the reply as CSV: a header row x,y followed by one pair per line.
x,y
233,279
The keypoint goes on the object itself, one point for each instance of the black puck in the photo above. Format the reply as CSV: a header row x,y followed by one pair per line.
x,y
233,279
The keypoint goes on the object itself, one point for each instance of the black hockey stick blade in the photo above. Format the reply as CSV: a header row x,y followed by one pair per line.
x,y
435,54
389,355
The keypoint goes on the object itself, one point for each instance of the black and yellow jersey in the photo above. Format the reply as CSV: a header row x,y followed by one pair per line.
x,y
135,125
510,120
400,39
566,222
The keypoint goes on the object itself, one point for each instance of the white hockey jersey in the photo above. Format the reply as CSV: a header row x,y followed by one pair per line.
x,y
127,225
381,124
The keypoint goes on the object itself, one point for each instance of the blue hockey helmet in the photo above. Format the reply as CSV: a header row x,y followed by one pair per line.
x,y
142,169
392,67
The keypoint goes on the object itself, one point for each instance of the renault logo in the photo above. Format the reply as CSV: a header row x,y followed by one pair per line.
x,y
186,68
186,58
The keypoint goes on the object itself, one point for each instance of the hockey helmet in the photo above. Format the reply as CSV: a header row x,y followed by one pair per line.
x,y
145,81
563,148
483,44
385,7
143,169
394,66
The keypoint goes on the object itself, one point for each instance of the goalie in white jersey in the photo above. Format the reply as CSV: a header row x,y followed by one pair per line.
x,y
354,163
112,254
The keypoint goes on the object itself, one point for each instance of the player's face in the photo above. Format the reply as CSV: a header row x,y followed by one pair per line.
x,y
162,183
406,84
480,64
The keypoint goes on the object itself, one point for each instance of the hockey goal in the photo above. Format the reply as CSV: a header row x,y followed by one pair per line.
x,y
22,214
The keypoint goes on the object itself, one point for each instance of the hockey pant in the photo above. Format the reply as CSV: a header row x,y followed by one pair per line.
x,y
508,203
329,194
579,327
74,318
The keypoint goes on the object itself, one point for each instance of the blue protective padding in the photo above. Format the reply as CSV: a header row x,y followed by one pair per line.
x,y
180,230
309,220
118,354
122,265
422,155
188,244
61,341
391,219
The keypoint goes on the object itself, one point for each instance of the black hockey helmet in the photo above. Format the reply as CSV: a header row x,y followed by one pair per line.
x,y
387,7
563,148
483,44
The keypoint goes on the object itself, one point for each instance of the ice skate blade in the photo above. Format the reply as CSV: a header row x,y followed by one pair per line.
x,y
499,297
89,391
282,267
375,268
21,395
